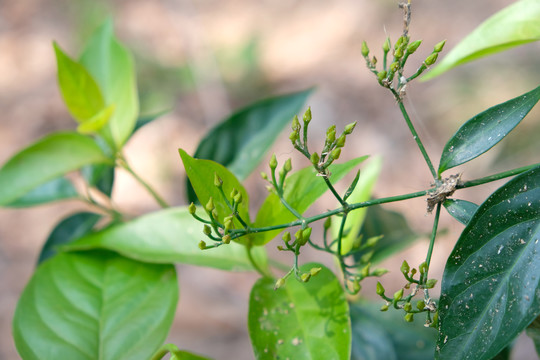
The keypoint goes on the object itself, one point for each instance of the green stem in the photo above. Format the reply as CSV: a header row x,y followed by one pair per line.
x,y
124,164
265,274
415,136
164,350
431,242
496,177
333,190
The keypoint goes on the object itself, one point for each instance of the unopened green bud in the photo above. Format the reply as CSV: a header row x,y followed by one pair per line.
x,y
407,307
386,45
207,230
382,75
356,286
314,158
228,225
420,305
280,248
365,49
192,209
314,271
215,214
340,142
398,295
226,239
349,128
210,205
423,268
238,198
430,60
300,239
294,136
264,175
331,136
273,162
430,284
306,233
394,66
405,268
286,237
379,272
438,48
374,61
296,124
365,271
327,223
384,307
335,154
372,241
409,317
398,53
217,181
307,116
413,46
279,283
413,272
202,245
288,165
233,193
380,289
305,277
399,42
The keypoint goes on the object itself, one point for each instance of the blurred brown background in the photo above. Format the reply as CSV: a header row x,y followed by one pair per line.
x,y
205,58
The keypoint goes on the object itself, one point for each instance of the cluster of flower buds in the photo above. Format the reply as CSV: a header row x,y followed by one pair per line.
x,y
218,232
277,183
304,277
399,301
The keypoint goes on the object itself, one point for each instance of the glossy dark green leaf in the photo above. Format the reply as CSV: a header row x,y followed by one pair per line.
x,y
461,210
240,142
57,189
111,65
394,229
95,305
491,281
486,129
533,331
169,236
300,320
380,335
46,160
201,174
302,188
515,25
69,229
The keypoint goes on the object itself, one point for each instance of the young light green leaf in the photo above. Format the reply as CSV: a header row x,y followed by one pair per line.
x,y
380,335
80,91
533,331
515,25
201,174
111,65
96,122
95,305
169,236
486,129
461,210
363,190
56,189
302,188
490,284
69,229
352,186
300,320
46,160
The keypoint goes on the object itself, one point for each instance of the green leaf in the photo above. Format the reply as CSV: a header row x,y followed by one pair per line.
x,y
46,160
533,331
111,65
302,188
380,335
201,174
56,189
486,129
361,193
184,355
515,25
392,226
97,122
169,236
461,210
95,305
300,320
490,284
69,229
80,91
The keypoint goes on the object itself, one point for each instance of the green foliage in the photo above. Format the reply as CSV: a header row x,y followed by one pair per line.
x,y
300,321
515,25
56,189
84,305
461,210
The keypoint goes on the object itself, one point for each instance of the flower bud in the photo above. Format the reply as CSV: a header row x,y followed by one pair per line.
x,y
314,158
273,162
294,136
202,245
405,268
217,181
306,233
372,241
398,53
226,239
413,46
296,124
299,236
374,61
192,209
349,128
365,271
314,271
264,175
215,214
380,289
398,295
286,237
407,307
340,142
238,198
423,268
331,135
228,224
409,317
233,193
394,67
365,49
379,272
288,165
384,307
327,223
305,277
430,60
356,287
430,284
280,248
438,48
207,230
382,75
335,154
307,116
210,205
279,283
420,305
386,45
399,42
